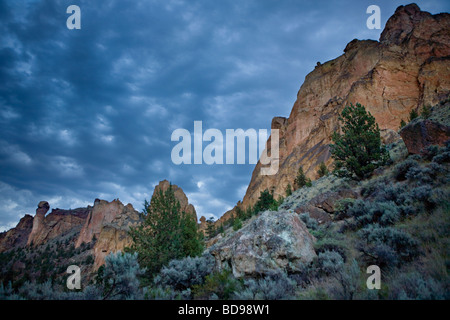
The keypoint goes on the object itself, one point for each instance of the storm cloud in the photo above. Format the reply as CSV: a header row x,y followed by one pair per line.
x,y
89,113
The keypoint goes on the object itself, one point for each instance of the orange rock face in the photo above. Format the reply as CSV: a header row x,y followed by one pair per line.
x,y
18,236
55,224
109,223
408,68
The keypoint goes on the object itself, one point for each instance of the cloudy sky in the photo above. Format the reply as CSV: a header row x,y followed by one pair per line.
x,y
89,113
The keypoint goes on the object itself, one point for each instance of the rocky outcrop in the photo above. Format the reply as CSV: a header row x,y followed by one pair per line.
x,y
179,195
406,69
421,133
269,242
108,223
18,236
55,224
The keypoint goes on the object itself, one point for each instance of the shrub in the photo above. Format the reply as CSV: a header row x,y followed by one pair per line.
x,y
331,244
415,286
330,262
442,158
166,293
401,169
277,286
381,243
430,152
348,279
120,277
310,223
183,274
323,170
367,212
221,285
423,175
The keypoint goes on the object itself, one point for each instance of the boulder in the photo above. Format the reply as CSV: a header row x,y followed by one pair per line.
x,y
421,133
268,242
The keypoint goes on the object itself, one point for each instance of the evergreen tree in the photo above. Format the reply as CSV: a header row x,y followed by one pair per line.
x,y
165,234
210,229
323,170
265,201
426,112
358,151
413,114
288,190
237,224
301,180
192,243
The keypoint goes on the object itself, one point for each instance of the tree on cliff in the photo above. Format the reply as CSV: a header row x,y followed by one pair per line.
x,y
167,233
358,150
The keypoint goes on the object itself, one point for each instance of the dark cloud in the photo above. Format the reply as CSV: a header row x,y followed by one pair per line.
x,y
89,113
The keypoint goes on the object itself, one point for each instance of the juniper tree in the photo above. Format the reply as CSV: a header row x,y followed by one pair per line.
x,y
301,180
323,170
165,234
358,150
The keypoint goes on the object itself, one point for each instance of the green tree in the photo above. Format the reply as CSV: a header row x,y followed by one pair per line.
x,y
237,224
358,151
413,114
265,201
402,123
210,229
288,190
165,234
323,170
426,112
301,180
192,242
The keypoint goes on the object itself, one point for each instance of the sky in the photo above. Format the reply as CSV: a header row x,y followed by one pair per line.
x,y
89,113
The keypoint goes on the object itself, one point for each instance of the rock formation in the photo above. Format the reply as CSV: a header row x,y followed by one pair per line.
x,y
113,235
421,133
57,223
18,236
269,242
179,195
406,69
108,223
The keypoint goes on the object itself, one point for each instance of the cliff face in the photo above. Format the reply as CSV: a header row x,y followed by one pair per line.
x,y
109,223
55,224
408,68
18,236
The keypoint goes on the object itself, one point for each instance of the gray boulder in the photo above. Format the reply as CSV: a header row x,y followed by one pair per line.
x,y
269,242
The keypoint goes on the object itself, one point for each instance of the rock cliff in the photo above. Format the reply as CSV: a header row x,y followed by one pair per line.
x,y
407,68
55,224
108,223
18,236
